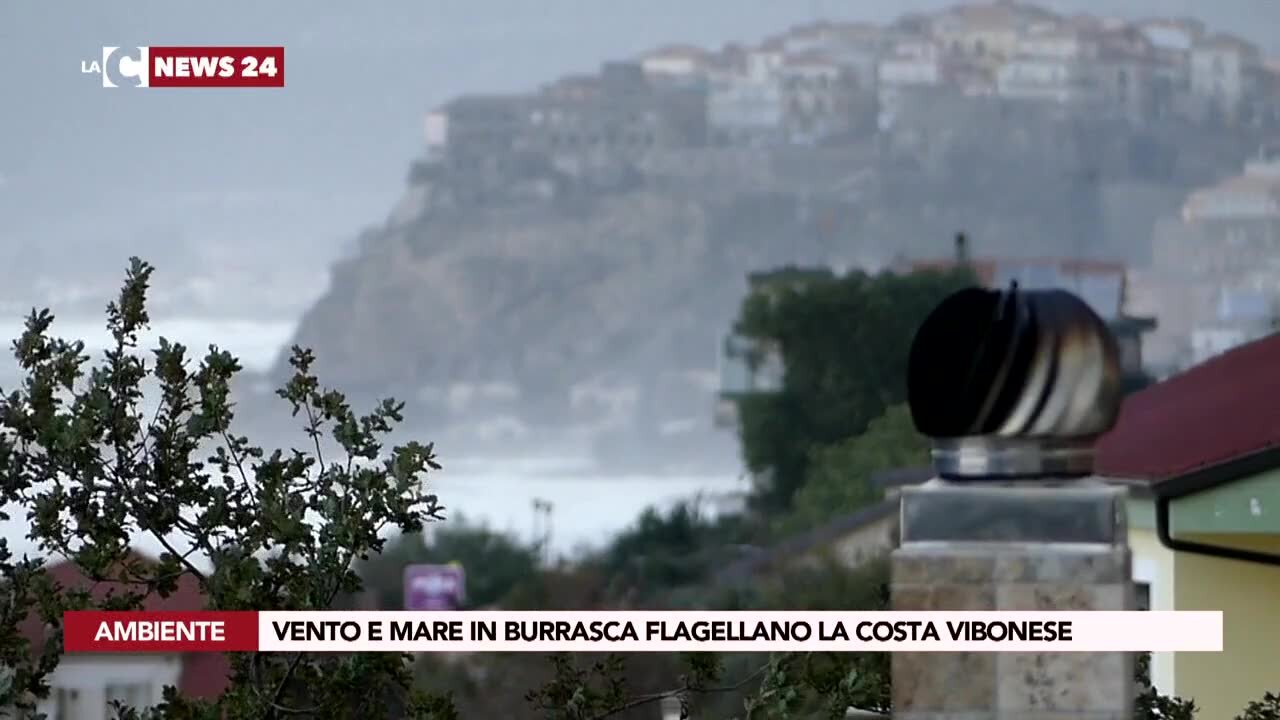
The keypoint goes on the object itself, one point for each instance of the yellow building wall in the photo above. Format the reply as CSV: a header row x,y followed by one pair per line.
x,y
1248,595
1154,565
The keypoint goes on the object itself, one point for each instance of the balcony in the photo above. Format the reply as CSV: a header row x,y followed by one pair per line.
x,y
749,366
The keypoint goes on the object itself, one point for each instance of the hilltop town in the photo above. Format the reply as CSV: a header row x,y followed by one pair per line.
x,y
831,83
573,253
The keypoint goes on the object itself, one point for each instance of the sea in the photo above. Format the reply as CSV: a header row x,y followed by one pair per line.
x,y
556,498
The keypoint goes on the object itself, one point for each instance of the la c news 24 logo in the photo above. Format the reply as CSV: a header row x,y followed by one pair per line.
x,y
188,66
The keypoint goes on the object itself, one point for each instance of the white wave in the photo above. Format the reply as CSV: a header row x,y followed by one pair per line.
x,y
583,512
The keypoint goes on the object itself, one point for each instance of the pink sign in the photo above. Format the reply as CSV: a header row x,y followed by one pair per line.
x,y
434,587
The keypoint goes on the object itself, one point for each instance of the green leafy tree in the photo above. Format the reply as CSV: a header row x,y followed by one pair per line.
x,y
747,686
92,461
809,686
839,478
844,342
663,551
824,685
1268,708
495,563
1151,705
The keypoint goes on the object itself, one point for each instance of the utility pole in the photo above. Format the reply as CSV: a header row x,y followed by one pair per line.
x,y
962,249
542,528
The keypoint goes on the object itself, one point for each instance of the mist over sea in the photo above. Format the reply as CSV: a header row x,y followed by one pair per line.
x,y
587,506
255,343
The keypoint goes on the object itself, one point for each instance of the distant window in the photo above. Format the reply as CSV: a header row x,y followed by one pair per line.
x,y
131,695
1130,353
1142,595
66,704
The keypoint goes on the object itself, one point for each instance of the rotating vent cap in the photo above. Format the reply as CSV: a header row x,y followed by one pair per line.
x,y
1014,383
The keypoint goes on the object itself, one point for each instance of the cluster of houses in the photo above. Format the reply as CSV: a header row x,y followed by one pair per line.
x,y
827,80
1214,276
1212,284
1212,281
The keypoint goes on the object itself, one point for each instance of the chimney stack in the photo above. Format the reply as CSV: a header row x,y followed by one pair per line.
x,y
1014,388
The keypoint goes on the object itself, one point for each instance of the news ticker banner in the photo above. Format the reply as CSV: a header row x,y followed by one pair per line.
x,y
716,631
188,66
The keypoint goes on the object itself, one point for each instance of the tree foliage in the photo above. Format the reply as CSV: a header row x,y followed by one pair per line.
x,y
1149,704
92,461
840,476
96,454
844,341
1268,708
495,562
738,686
664,551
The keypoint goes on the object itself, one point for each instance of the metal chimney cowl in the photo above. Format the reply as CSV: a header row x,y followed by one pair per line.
x,y
1013,385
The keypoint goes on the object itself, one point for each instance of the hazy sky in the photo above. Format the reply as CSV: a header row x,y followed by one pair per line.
x,y
91,175
82,167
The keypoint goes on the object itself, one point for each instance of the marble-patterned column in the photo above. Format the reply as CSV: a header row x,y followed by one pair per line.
x,y
982,547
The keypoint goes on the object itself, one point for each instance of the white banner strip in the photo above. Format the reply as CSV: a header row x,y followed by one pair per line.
x,y
732,631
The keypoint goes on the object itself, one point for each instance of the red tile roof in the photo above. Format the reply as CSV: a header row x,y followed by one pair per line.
x,y
1227,41
1270,80
1192,27
1216,412
815,28
999,14
203,675
691,52
809,58
1126,40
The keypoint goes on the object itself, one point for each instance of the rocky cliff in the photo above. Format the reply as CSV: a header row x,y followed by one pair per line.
x,y
537,297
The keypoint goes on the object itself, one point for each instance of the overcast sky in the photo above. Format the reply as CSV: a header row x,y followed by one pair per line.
x,y
91,175
84,167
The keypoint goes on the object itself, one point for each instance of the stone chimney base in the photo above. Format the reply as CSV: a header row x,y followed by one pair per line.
x,y
978,547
